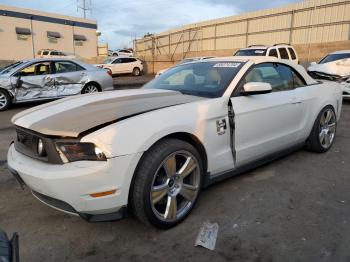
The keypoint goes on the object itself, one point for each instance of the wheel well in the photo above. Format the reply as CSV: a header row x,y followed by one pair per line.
x,y
187,137
328,105
194,141
7,92
95,84
135,68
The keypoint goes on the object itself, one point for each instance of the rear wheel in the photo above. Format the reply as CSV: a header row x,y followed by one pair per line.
x,y
323,132
5,100
136,71
167,183
90,88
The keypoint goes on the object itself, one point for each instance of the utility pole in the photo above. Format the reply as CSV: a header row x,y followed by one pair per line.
x,y
84,8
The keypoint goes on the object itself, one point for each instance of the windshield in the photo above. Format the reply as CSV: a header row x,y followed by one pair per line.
x,y
8,68
334,57
108,60
206,79
251,52
187,60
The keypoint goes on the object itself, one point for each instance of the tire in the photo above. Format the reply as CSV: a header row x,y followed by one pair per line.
x,y
5,100
165,198
323,132
90,88
136,71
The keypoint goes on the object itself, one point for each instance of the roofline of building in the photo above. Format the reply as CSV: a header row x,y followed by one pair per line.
x,y
46,17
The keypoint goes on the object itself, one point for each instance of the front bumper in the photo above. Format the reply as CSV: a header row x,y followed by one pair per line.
x,y
346,91
68,187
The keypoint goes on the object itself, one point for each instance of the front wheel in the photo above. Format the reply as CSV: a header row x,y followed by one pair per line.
x,y
136,71
167,183
323,132
90,88
5,100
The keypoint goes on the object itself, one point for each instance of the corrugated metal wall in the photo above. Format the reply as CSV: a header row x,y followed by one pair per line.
x,y
312,21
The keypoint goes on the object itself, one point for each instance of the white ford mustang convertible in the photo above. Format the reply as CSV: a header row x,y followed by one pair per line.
x,y
152,150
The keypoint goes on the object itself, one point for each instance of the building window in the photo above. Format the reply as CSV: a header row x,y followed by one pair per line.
x,y
53,36
79,40
79,43
23,33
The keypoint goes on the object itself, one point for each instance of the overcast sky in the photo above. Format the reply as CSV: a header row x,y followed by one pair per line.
x,y
121,20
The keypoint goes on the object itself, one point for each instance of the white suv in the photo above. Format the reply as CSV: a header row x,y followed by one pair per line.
x,y
123,65
51,53
281,51
122,52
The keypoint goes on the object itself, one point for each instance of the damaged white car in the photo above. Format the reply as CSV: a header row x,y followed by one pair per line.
x,y
152,150
335,67
42,79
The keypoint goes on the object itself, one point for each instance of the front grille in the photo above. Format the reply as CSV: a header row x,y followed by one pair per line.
x,y
26,139
27,144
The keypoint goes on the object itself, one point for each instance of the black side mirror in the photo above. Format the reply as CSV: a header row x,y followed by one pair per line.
x,y
9,249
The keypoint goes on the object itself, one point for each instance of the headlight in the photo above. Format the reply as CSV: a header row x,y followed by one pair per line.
x,y
41,149
78,151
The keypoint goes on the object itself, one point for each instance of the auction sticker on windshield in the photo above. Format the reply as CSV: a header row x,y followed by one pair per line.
x,y
234,65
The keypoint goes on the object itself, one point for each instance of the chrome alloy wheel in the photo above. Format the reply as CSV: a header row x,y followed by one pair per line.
x,y
327,128
90,89
175,186
3,101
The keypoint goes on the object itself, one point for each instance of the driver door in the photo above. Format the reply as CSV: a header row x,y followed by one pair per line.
x,y
37,82
117,66
70,78
266,123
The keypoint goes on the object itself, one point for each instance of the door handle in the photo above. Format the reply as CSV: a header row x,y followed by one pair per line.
x,y
295,101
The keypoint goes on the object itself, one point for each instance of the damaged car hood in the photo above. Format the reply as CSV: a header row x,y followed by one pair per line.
x,y
338,67
71,116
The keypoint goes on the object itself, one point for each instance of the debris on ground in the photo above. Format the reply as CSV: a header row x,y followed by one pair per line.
x,y
207,235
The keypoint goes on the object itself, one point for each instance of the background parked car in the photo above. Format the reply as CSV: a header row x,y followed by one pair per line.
x,y
40,79
281,51
122,52
123,65
335,67
51,53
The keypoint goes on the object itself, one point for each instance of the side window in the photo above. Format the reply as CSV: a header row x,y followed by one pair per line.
x,y
298,80
292,53
43,68
45,52
279,76
273,52
54,53
125,60
117,61
66,67
283,53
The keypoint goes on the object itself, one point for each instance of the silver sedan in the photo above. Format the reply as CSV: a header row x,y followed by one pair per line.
x,y
43,79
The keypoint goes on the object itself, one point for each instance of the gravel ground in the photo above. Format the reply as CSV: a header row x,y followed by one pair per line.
x,y
293,209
